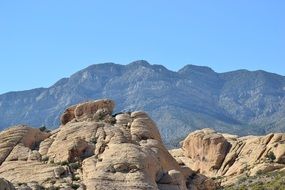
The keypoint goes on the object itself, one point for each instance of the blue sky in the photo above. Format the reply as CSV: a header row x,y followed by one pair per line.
x,y
43,41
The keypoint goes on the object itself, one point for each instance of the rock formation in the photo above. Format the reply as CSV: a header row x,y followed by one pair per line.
x,y
228,157
93,149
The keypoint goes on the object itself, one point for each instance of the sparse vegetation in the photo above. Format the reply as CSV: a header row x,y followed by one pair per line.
x,y
63,163
93,140
271,156
75,178
75,165
75,186
43,128
268,181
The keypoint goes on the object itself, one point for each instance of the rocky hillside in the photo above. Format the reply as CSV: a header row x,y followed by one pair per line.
x,y
93,150
240,102
228,158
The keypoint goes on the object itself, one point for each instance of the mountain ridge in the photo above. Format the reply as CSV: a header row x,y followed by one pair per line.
x,y
194,97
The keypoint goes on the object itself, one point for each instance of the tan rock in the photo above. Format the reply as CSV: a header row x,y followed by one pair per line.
x,y
22,138
143,127
27,171
96,150
59,171
207,148
34,155
87,110
215,155
123,119
19,152
45,145
68,115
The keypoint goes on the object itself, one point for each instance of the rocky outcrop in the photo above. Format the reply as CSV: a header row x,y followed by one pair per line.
x,y
229,157
16,142
93,149
207,148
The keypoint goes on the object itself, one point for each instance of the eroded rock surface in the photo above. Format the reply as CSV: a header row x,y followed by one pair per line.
x,y
94,149
229,157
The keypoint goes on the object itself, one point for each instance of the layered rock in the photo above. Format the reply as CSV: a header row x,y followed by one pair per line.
x,y
229,157
16,142
94,149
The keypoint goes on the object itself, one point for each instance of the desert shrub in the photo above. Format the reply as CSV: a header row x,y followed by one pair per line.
x,y
75,178
271,156
266,181
242,179
43,128
75,186
93,140
63,163
75,165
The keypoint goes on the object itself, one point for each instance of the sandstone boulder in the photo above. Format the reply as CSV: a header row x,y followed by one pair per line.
x,y
94,149
16,142
207,148
228,156
68,115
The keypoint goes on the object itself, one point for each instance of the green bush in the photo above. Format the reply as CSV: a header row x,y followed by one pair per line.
x,y
75,186
44,129
271,156
64,163
75,178
75,165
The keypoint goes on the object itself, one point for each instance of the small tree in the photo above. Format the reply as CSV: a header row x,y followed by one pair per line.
x,y
271,156
43,128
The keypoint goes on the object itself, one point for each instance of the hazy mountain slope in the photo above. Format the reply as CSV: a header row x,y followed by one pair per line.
x,y
195,97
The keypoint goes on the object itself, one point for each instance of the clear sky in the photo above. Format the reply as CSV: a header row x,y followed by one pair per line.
x,y
43,41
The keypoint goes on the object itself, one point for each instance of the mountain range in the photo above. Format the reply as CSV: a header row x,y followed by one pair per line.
x,y
195,97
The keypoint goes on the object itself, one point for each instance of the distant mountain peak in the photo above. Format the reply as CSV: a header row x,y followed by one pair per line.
x,y
143,63
100,65
195,68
